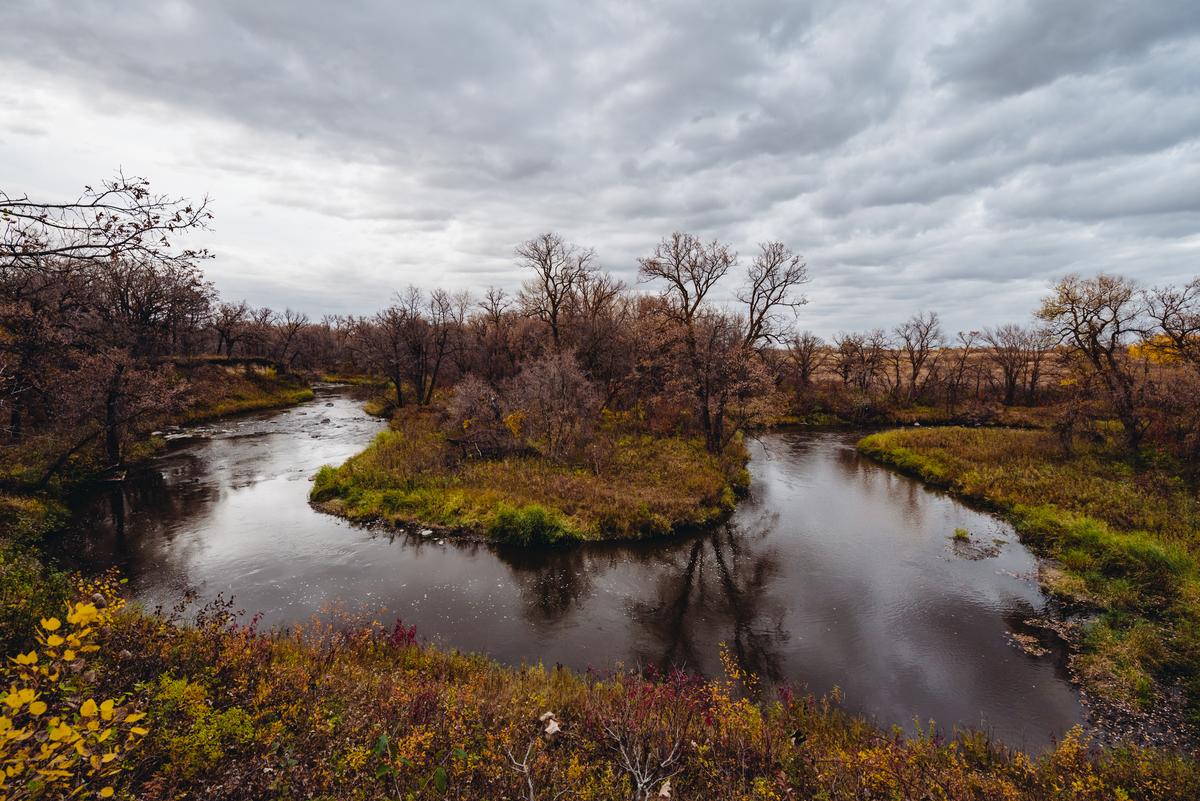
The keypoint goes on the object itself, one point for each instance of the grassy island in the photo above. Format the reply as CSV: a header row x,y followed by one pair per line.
x,y
1124,535
631,485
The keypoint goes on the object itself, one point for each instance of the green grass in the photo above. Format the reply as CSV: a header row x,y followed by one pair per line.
x,y
641,486
1125,539
246,396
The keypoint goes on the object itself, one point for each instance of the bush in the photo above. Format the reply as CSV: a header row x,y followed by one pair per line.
x,y
29,591
192,734
60,737
528,525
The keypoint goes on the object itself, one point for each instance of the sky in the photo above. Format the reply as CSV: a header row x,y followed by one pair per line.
x,y
926,155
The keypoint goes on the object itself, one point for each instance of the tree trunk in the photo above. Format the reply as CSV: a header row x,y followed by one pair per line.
x,y
112,425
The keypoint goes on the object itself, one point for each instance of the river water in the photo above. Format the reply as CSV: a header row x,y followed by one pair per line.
x,y
834,572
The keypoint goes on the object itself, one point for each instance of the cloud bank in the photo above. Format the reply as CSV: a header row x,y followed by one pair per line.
x,y
921,156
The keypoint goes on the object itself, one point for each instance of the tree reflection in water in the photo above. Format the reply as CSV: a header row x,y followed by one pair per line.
x,y
721,590
552,582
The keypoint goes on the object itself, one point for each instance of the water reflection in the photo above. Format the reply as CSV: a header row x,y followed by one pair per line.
x,y
834,572
721,578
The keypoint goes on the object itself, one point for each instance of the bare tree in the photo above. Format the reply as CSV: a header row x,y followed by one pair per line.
x,y
960,362
773,278
287,334
690,269
383,342
120,220
445,322
860,358
920,340
1175,313
806,355
558,269
229,322
1010,348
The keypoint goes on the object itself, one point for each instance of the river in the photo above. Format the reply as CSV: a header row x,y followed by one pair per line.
x,y
833,572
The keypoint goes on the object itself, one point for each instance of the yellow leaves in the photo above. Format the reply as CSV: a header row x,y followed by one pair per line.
x,y
83,614
54,732
514,422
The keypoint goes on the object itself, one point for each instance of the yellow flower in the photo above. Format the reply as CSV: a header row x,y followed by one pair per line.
x,y
37,708
68,655
135,717
106,792
51,624
25,695
54,641
88,709
27,659
106,710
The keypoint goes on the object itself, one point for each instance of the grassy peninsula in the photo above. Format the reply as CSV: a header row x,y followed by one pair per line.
x,y
631,485
1123,534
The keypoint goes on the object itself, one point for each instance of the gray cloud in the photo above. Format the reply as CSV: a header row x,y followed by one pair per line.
x,y
920,156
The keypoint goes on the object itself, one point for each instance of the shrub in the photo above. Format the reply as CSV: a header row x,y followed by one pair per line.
x,y
29,590
56,739
558,402
528,525
190,732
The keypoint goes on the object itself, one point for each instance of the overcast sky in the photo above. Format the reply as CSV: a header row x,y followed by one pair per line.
x,y
920,156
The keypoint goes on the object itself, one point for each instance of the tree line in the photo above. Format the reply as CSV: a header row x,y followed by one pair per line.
x,y
99,306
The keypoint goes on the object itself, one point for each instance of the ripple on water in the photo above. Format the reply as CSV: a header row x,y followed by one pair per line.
x,y
834,572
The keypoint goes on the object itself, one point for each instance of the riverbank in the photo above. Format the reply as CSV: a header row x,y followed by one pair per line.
x,y
1123,540
340,711
636,486
884,416
221,390
29,587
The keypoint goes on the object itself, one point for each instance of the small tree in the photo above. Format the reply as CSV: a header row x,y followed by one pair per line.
x,y
557,403
475,415
920,339
806,354
1094,319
